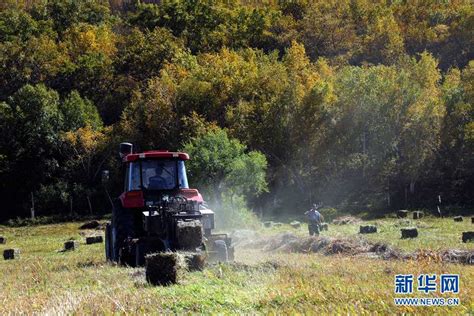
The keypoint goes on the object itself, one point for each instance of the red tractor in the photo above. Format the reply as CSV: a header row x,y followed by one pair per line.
x,y
158,212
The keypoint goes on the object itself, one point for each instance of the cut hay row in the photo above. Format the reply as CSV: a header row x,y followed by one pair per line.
x,y
290,243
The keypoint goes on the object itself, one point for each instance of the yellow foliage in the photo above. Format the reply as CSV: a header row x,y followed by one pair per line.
x,y
87,39
85,139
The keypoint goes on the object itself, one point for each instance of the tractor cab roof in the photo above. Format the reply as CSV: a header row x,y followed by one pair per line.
x,y
156,154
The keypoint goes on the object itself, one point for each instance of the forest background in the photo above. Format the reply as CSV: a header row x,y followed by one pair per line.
x,y
366,106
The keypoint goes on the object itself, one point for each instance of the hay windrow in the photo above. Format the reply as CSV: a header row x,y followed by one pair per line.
x,y
290,243
345,220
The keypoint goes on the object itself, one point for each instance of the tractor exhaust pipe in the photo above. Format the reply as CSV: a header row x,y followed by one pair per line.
x,y
125,149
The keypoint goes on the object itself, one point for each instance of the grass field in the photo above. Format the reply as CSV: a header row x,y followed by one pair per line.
x,y
434,233
44,280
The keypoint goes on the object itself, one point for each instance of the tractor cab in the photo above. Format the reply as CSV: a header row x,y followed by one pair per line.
x,y
153,175
157,211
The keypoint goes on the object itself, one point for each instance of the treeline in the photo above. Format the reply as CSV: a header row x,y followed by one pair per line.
x,y
363,105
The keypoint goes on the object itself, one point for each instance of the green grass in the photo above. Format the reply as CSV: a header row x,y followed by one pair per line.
x,y
45,280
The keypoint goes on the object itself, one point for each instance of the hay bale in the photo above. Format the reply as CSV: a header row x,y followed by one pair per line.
x,y
90,225
458,218
94,240
195,261
472,220
295,224
418,215
3,240
189,234
367,229
409,232
71,245
165,268
402,213
268,224
10,254
467,236
278,224
324,226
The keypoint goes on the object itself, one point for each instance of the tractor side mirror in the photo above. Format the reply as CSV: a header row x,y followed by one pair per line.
x,y
105,176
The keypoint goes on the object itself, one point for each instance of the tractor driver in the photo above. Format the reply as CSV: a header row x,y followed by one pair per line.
x,y
314,220
161,179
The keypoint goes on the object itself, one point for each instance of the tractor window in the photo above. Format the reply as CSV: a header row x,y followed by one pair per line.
x,y
183,180
132,177
159,174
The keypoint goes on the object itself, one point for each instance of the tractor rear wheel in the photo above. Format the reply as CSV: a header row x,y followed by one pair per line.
x,y
122,231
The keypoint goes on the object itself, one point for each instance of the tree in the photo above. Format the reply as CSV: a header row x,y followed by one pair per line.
x,y
79,112
87,151
142,55
221,166
30,124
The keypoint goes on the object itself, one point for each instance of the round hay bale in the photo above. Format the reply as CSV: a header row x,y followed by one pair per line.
x,y
165,268
71,245
467,236
418,215
472,220
295,224
402,213
94,240
10,254
3,240
324,226
367,229
409,232
268,224
458,218
189,234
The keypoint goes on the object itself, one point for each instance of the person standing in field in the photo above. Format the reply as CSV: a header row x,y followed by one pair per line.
x,y
314,220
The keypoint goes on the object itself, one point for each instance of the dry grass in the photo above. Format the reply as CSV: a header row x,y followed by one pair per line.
x,y
44,280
